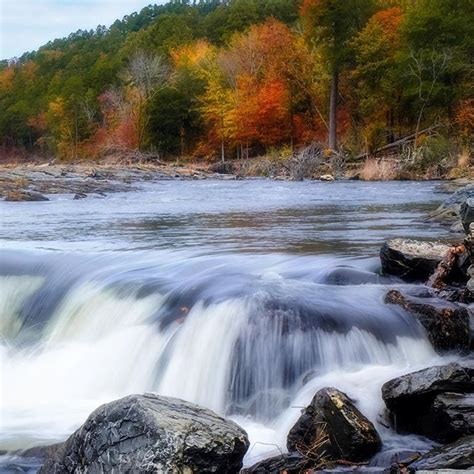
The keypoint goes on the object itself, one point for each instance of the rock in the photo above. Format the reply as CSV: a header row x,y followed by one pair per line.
x,y
148,434
327,177
411,260
79,196
22,195
454,412
446,323
449,210
457,455
332,426
436,402
467,214
292,463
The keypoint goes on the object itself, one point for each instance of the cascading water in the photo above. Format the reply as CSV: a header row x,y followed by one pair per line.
x,y
252,345
251,336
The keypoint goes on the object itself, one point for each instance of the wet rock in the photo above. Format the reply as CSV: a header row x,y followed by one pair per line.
x,y
467,214
457,455
291,463
436,402
148,433
411,260
446,323
78,196
23,195
333,427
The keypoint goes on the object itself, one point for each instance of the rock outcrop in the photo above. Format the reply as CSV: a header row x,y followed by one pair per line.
x,y
23,195
332,427
446,323
148,434
437,402
411,260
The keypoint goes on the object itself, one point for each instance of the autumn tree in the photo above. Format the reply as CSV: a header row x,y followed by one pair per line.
x,y
331,24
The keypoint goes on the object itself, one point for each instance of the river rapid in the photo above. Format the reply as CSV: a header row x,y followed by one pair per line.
x,y
245,297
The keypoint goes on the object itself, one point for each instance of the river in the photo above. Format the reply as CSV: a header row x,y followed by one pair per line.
x,y
242,296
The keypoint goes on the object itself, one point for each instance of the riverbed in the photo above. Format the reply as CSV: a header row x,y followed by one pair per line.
x,y
243,296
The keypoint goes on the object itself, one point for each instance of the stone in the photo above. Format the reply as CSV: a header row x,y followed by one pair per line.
x,y
332,427
149,433
467,214
446,323
457,455
411,260
79,196
436,402
327,177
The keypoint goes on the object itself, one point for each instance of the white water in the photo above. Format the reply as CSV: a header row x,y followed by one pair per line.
x,y
251,336
241,357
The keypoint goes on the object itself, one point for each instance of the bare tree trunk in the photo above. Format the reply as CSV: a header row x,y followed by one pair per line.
x,y
222,150
332,141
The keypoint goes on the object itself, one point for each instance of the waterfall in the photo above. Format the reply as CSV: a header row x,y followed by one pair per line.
x,y
252,345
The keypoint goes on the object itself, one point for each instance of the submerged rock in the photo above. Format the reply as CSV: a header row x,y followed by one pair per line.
x,y
148,433
457,455
436,402
331,426
446,323
411,260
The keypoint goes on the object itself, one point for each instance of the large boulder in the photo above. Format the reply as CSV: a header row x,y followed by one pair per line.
x,y
148,434
332,427
467,214
411,260
436,402
446,323
457,455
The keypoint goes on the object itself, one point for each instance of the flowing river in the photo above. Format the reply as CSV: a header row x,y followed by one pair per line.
x,y
245,297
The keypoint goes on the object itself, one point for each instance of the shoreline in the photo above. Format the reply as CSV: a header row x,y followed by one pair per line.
x,y
32,181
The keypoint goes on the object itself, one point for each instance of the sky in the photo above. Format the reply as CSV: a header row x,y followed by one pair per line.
x,y
27,24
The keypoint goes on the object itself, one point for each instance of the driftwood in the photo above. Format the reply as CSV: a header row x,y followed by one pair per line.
x,y
439,278
400,142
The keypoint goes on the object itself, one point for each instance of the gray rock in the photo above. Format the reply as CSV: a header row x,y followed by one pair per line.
x,y
149,434
333,427
446,323
467,214
450,209
457,455
411,260
436,402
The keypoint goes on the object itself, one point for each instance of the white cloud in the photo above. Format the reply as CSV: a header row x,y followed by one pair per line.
x,y
27,24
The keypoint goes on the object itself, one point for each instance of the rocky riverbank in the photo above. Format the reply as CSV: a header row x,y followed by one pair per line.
x,y
36,182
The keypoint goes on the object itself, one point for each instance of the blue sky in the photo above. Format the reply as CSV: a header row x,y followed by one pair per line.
x,y
27,24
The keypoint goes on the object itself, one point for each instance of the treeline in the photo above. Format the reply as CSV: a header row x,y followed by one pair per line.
x,y
236,78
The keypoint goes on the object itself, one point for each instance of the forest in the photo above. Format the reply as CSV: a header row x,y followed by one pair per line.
x,y
232,79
